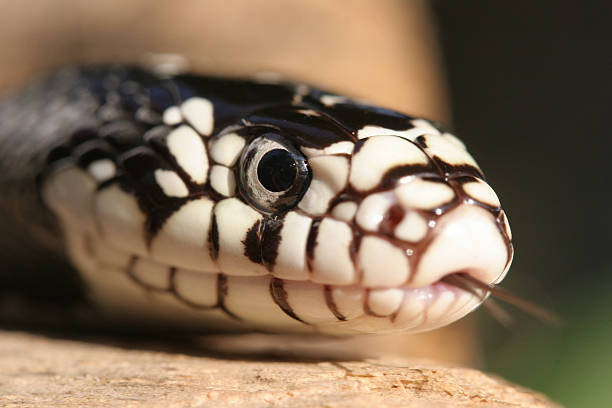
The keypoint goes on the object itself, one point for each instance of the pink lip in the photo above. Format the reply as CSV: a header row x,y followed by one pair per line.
x,y
430,292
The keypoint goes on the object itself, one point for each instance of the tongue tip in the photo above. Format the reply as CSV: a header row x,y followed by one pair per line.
x,y
469,283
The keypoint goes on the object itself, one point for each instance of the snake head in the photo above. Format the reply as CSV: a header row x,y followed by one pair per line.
x,y
305,211
387,207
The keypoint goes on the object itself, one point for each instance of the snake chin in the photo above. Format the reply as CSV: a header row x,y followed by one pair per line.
x,y
186,299
419,310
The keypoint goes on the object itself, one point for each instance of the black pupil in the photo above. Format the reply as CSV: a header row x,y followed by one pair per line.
x,y
277,170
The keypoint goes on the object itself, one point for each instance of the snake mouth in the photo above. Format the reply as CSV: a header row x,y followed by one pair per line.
x,y
426,299
403,308
406,307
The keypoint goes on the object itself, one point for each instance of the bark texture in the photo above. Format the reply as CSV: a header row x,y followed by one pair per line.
x,y
251,371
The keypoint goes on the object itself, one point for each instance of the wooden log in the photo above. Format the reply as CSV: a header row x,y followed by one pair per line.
x,y
38,370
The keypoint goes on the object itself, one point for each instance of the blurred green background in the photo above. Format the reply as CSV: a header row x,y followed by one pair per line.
x,y
531,86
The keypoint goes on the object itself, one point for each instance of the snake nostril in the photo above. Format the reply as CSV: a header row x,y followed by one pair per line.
x,y
391,219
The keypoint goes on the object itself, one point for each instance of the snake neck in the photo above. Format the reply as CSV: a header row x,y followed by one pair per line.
x,y
31,247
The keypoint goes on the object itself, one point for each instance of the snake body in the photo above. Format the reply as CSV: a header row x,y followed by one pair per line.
x,y
228,204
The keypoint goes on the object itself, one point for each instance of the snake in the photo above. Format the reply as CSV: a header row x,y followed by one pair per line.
x,y
181,200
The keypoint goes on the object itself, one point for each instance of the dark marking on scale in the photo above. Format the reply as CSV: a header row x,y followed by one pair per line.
x,y
59,152
358,145
92,151
116,179
392,176
222,290
160,96
391,219
354,249
451,169
262,240
420,140
281,298
213,239
232,99
140,165
354,116
242,93
157,218
270,240
157,138
65,150
462,197
331,303
447,169
303,130
501,225
311,242
394,315
123,135
462,178
252,243
81,136
342,197
417,251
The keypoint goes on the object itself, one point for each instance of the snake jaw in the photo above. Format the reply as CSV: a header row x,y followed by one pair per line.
x,y
466,239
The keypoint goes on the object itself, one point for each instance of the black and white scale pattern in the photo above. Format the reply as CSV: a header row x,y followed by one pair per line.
x,y
173,212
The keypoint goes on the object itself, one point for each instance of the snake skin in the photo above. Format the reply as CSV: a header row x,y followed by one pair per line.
x,y
225,204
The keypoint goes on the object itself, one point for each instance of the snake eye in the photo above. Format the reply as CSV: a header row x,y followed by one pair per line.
x,y
273,174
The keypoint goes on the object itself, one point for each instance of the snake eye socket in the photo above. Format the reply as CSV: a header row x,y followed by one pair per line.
x,y
273,174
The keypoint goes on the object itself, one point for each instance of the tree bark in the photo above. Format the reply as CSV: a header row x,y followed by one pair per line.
x,y
244,371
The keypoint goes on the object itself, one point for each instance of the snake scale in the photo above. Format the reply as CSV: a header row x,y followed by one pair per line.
x,y
228,204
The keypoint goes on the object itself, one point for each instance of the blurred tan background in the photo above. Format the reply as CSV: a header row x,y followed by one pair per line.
x,y
383,51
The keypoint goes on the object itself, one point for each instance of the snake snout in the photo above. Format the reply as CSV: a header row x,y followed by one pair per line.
x,y
424,229
467,239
